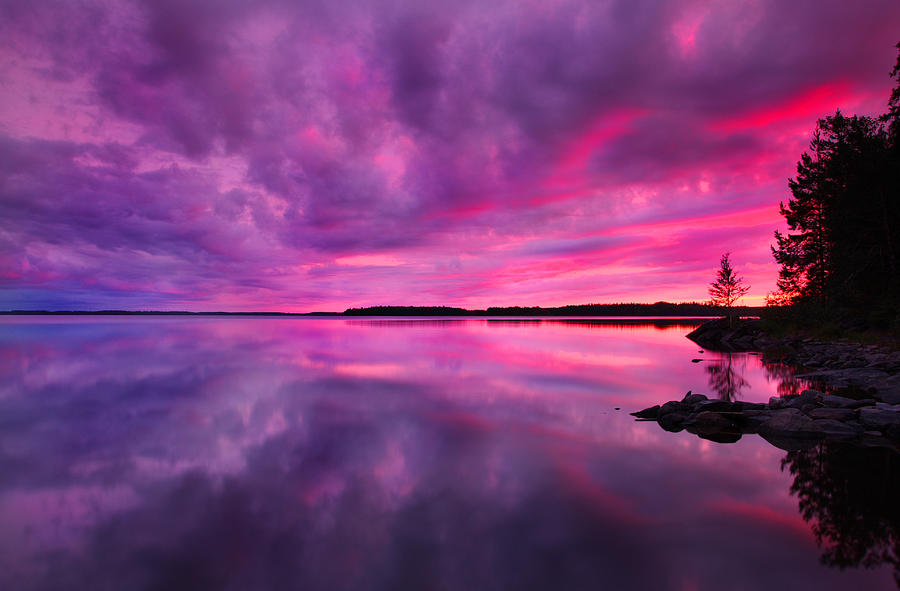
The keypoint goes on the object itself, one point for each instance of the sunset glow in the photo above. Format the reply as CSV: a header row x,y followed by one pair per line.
x,y
263,155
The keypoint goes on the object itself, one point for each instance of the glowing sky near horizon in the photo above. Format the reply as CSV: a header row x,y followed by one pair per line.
x,y
273,155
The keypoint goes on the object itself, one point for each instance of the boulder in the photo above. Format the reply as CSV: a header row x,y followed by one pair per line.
x,y
833,401
694,399
715,406
674,406
790,429
672,421
833,414
714,427
750,420
878,418
777,402
838,429
741,405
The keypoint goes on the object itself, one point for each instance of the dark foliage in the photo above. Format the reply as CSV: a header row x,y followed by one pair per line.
x,y
728,286
849,495
656,309
842,252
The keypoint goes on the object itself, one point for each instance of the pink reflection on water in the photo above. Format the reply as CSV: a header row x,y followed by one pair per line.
x,y
386,438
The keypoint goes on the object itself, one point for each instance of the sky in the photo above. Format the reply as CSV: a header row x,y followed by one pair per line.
x,y
300,156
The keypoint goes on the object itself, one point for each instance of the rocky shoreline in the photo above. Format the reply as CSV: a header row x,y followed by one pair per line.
x,y
790,422
873,370
858,400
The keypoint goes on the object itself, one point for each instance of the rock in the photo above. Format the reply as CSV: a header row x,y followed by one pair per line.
x,y
714,427
722,335
673,406
790,429
647,413
889,393
694,399
875,439
833,401
877,418
893,432
750,420
865,402
715,406
887,407
672,421
834,414
809,396
741,405
835,429
777,402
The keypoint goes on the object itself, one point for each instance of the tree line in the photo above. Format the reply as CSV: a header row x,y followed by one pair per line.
x,y
841,253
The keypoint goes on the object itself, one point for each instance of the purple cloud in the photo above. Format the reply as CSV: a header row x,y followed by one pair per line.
x,y
203,154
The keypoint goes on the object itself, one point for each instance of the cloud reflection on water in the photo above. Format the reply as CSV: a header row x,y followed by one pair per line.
x,y
242,453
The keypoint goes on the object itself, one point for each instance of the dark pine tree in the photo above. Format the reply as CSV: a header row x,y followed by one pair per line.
x,y
842,250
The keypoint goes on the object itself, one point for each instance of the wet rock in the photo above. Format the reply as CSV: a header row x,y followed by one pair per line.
x,y
714,426
742,406
835,414
715,406
750,420
790,423
694,399
835,429
878,418
776,402
789,443
833,401
889,393
647,413
810,394
724,335
672,421
674,406
875,439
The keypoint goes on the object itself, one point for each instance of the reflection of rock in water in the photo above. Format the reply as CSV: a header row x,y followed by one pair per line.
x,y
850,497
726,377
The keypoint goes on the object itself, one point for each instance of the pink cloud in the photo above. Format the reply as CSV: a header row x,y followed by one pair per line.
x,y
326,155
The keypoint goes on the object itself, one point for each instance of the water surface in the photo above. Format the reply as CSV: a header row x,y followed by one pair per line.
x,y
302,453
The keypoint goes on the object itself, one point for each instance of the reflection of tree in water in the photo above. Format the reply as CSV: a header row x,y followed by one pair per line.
x,y
849,495
726,377
783,375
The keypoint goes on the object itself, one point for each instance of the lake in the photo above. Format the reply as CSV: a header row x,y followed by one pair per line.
x,y
406,453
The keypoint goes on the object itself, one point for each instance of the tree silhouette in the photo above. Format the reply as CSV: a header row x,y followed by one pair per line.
x,y
728,287
726,378
849,496
842,250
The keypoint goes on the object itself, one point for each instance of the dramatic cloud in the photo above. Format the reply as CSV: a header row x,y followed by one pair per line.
x,y
318,155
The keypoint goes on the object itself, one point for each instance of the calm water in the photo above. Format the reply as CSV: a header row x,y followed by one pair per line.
x,y
256,453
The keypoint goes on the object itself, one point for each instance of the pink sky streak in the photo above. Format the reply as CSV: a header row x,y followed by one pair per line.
x,y
247,155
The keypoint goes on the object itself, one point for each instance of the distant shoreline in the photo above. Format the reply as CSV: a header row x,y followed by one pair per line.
x,y
659,309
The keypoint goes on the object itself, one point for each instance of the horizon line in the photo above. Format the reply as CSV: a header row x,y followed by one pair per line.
x,y
377,310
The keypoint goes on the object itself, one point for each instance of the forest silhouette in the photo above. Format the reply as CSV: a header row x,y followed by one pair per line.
x,y
841,255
